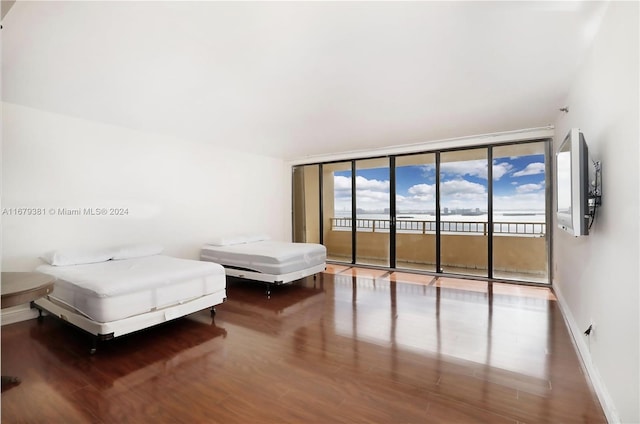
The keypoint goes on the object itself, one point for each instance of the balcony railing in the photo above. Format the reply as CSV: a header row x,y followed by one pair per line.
x,y
527,229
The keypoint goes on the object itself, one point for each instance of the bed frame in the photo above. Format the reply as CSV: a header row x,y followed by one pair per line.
x,y
108,330
273,279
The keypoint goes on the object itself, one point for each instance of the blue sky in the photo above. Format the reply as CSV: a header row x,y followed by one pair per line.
x,y
518,185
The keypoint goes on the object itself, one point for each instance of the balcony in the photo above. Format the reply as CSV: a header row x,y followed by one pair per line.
x,y
519,248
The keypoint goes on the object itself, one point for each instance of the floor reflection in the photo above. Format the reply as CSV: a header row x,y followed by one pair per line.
x,y
289,306
349,346
146,352
62,382
486,323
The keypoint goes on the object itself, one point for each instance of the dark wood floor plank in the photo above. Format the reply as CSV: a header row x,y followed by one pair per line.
x,y
349,347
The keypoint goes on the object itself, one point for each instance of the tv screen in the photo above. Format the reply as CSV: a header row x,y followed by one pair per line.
x,y
563,191
572,184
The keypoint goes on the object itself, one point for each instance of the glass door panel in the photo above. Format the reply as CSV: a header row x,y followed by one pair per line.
x,y
519,212
416,212
373,223
463,212
336,211
306,204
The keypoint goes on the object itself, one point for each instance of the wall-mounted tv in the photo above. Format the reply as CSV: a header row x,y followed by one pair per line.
x,y
577,191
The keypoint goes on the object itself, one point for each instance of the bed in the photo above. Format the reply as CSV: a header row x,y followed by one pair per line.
x,y
260,259
118,291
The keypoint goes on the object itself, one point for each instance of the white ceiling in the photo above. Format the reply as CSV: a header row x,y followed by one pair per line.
x,y
296,79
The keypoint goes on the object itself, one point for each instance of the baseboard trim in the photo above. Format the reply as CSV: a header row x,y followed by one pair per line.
x,y
590,369
13,315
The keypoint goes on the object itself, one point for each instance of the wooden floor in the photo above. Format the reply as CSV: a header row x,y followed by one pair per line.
x,y
353,346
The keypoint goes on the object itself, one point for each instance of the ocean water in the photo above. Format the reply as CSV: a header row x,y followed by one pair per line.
x,y
505,222
499,216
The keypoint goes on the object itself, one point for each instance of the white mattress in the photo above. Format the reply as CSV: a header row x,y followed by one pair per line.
x,y
116,289
269,257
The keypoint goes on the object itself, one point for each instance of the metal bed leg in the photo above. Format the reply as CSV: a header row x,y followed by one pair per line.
x,y
99,338
39,315
268,287
213,311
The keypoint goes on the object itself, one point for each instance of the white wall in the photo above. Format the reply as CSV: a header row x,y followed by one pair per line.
x,y
597,277
178,194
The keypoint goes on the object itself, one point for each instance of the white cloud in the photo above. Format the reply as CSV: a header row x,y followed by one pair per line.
x,y
501,169
342,193
463,194
340,182
428,170
520,202
476,168
421,197
461,186
422,189
528,188
364,184
531,169
370,194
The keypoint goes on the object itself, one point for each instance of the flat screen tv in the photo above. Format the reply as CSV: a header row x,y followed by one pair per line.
x,y
573,184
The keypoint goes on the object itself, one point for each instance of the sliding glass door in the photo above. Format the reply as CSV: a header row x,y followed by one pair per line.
x,y
337,211
463,212
479,211
373,214
416,211
520,212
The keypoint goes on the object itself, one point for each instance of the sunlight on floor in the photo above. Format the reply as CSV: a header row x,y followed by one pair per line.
x,y
468,285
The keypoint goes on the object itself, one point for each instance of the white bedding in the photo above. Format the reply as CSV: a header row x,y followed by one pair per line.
x,y
269,257
117,289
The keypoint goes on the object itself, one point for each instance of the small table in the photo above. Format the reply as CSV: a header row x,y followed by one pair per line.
x,y
18,288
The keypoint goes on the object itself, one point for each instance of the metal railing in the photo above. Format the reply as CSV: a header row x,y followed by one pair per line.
x,y
530,229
